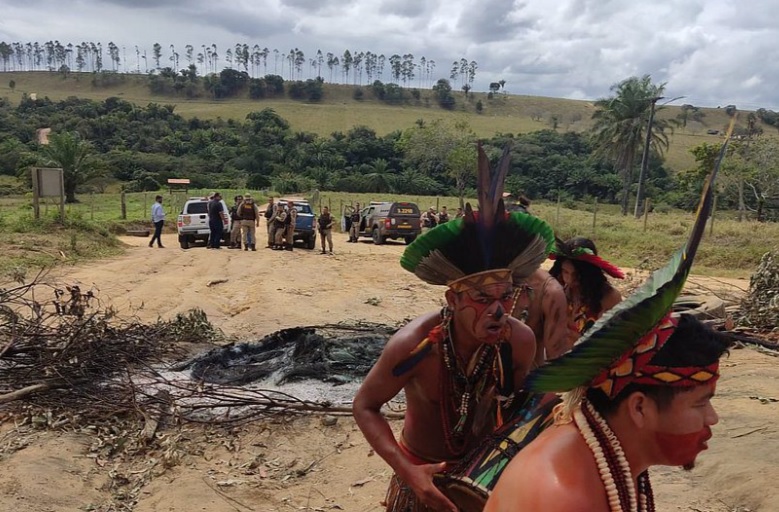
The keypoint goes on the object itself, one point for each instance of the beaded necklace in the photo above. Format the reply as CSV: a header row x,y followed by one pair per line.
x,y
461,392
612,464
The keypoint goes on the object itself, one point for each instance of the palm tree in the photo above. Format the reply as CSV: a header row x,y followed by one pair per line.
x,y
74,156
619,127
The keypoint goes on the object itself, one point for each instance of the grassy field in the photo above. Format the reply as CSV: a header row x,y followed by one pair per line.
x,y
733,250
340,112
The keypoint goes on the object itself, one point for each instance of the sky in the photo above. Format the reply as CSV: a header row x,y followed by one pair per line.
x,y
711,52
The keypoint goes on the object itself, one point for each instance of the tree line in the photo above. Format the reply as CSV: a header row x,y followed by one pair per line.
x,y
354,67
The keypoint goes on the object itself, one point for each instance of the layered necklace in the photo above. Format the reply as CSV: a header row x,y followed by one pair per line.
x,y
462,390
612,464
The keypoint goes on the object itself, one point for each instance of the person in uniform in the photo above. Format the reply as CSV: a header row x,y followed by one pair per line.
x,y
279,227
250,221
326,228
235,228
354,229
443,216
289,222
270,211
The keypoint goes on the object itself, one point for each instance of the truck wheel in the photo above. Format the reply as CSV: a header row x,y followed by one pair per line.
x,y
311,242
184,241
377,238
409,239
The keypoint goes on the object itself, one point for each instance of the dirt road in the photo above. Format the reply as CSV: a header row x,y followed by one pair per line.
x,y
305,465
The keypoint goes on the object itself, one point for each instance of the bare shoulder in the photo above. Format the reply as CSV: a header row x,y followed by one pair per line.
x,y
522,336
610,299
409,336
552,474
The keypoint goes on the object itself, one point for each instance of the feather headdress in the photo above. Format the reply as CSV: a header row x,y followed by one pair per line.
x,y
572,251
484,246
620,345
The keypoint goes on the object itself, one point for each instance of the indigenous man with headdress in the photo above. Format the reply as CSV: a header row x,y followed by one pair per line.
x,y
638,389
459,368
583,273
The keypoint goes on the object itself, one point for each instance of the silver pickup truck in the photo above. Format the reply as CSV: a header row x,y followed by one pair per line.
x,y
192,222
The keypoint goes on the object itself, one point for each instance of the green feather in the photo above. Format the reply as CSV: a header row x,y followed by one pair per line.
x,y
620,328
439,236
533,224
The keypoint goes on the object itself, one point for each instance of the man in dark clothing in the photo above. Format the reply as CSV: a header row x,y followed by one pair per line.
x,y
270,212
354,229
215,222
443,216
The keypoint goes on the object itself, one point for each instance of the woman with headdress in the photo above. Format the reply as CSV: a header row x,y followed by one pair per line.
x,y
583,275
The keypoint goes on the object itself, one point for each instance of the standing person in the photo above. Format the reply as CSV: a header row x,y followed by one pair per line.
x,y
543,308
279,227
443,216
432,219
250,221
215,221
459,367
158,218
582,273
270,210
459,213
638,389
235,228
289,223
354,229
326,228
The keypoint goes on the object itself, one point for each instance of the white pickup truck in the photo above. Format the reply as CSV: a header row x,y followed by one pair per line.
x,y
192,222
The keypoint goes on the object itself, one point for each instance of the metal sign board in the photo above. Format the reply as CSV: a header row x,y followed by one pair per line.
x,y
50,182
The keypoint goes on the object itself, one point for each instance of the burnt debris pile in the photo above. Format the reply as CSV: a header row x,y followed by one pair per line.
x,y
333,353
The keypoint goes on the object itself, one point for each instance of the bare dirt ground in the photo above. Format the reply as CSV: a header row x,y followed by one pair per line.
x,y
302,464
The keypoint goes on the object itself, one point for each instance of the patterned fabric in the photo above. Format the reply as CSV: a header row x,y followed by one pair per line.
x,y
631,364
583,319
677,377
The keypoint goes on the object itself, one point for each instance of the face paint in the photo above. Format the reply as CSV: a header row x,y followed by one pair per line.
x,y
682,449
484,310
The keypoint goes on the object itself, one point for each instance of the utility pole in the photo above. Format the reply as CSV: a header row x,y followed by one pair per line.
x,y
645,156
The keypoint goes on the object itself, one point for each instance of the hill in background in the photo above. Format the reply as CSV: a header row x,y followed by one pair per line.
x,y
339,110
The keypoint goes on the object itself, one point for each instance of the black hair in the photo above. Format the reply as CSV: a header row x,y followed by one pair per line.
x,y
157,198
593,284
691,344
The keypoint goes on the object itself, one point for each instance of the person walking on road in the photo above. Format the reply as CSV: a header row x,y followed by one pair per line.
x,y
158,218
326,228
215,221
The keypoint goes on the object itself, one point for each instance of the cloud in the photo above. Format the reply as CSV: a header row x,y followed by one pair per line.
x,y
711,51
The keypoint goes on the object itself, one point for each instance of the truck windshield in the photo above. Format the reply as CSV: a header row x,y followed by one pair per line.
x,y
303,208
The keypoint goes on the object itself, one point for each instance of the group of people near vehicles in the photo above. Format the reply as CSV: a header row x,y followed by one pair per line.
x,y
279,219
485,427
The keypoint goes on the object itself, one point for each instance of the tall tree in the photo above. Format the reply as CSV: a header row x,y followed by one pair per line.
x,y
157,54
620,124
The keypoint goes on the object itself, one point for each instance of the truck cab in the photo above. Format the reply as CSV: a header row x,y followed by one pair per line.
x,y
192,222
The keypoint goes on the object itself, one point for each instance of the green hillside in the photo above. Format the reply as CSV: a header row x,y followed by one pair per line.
x,y
339,111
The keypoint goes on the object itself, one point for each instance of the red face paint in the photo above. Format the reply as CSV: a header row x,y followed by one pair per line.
x,y
479,308
682,449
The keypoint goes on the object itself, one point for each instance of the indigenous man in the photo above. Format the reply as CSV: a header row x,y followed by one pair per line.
x,y
270,211
326,228
639,384
543,307
250,221
459,367
289,222
235,228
